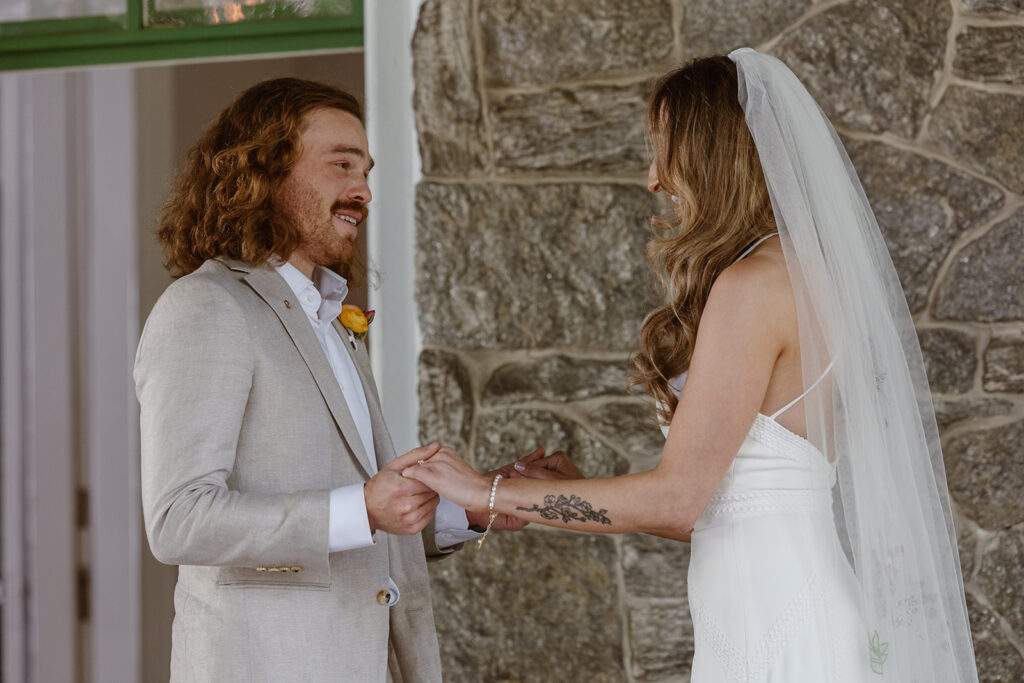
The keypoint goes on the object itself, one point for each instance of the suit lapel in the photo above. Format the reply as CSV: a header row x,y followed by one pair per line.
x,y
381,438
272,288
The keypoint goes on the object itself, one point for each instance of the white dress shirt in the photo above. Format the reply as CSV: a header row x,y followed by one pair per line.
x,y
349,526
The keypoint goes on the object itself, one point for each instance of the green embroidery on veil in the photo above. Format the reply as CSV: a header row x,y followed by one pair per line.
x,y
879,653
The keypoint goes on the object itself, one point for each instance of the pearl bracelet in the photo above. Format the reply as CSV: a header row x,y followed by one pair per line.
x,y
490,509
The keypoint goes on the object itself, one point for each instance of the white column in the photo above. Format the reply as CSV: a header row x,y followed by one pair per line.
x,y
13,111
394,337
69,325
39,281
110,333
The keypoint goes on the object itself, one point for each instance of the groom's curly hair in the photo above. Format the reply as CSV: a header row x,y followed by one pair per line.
x,y
706,158
222,204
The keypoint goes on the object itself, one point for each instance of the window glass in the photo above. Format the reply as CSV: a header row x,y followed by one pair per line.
x,y
205,12
25,10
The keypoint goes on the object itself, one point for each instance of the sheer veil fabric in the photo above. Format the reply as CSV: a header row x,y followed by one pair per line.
x,y
872,415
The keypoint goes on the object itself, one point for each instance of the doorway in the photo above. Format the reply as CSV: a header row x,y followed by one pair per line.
x,y
88,156
85,158
175,105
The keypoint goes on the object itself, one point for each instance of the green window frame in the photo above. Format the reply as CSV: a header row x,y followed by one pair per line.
x,y
91,41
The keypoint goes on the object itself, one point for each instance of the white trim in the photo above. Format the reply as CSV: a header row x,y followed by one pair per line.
x,y
49,356
110,331
13,114
391,239
38,306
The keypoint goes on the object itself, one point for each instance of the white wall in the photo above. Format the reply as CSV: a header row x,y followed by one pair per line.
x,y
395,340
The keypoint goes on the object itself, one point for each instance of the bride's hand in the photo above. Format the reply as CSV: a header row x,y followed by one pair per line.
x,y
453,478
555,466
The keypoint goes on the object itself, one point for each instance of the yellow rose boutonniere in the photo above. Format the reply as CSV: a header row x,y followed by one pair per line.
x,y
355,321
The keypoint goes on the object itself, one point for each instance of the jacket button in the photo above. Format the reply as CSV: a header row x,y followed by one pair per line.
x,y
384,597
296,569
261,569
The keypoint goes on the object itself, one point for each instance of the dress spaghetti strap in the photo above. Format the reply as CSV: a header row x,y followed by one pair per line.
x,y
801,396
753,246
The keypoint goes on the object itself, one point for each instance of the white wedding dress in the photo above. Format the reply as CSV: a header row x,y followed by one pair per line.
x,y
772,595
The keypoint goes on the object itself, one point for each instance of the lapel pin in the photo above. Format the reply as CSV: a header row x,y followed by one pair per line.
x,y
287,304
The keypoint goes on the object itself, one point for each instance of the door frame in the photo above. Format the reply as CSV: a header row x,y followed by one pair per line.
x,y
69,327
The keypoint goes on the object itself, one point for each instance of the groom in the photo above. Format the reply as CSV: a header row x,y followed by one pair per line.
x,y
268,474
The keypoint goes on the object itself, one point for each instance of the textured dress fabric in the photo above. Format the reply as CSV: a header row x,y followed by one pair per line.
x,y
772,595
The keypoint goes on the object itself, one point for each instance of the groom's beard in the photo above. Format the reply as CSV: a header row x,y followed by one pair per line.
x,y
352,266
321,241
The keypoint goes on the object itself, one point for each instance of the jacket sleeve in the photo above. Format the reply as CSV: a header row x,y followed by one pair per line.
x,y
193,375
430,548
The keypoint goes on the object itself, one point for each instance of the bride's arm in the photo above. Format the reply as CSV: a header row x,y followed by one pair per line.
x,y
742,332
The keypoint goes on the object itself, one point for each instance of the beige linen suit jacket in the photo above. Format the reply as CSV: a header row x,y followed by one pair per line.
x,y
244,433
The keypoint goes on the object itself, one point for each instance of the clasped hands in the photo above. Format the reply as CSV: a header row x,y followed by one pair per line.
x,y
402,496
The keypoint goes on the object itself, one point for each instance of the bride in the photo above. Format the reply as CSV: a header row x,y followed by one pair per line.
x,y
802,458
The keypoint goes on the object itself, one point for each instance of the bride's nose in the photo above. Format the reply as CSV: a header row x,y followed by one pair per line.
x,y
652,179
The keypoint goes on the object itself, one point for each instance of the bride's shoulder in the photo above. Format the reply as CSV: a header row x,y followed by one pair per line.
x,y
757,287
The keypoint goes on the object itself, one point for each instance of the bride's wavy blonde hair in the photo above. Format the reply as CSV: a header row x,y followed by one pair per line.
x,y
706,159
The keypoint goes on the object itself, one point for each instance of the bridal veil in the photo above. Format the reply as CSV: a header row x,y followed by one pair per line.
x,y
872,414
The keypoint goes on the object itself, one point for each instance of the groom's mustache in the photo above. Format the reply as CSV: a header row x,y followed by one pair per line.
x,y
350,206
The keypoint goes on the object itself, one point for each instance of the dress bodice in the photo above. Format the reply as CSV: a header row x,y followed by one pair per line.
x,y
774,470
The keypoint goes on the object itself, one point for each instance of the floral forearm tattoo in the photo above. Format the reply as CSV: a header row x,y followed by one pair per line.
x,y
571,509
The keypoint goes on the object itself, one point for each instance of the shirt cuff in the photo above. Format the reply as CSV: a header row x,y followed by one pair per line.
x,y
348,523
450,525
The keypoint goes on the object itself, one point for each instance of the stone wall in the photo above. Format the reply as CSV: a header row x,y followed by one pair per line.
x,y
532,283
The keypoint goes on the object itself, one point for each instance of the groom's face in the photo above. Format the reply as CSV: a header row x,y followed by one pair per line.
x,y
325,194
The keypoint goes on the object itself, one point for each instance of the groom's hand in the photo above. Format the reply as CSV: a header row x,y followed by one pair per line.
x,y
398,505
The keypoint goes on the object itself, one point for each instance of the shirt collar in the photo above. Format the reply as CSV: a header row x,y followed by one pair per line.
x,y
322,297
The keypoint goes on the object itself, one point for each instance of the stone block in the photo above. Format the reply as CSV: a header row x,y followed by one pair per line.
x,y
922,207
950,412
556,379
507,434
949,359
985,282
545,42
985,470
990,54
654,567
719,26
660,641
547,265
532,606
631,428
449,117
871,64
597,129
982,130
1004,364
1001,577
446,400
998,661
